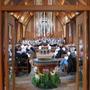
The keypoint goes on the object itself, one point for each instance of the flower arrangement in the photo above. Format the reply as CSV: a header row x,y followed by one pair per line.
x,y
47,79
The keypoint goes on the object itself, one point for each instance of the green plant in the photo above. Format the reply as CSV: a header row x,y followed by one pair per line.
x,y
46,81
55,80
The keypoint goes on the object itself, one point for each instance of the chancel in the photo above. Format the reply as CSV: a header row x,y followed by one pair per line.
x,y
44,44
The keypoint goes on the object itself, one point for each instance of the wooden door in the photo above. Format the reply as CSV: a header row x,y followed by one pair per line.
x,y
81,44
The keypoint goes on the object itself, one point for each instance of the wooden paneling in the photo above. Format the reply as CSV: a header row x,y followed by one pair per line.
x,y
73,30
19,32
45,8
30,29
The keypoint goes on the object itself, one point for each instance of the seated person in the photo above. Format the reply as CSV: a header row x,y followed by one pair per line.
x,y
56,53
59,52
64,63
31,52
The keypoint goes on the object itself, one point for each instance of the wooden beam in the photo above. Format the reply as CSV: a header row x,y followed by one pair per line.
x,y
88,50
77,58
20,15
85,81
88,3
81,20
6,41
1,73
45,8
60,22
13,54
26,20
26,16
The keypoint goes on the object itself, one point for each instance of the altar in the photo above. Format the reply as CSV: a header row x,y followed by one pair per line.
x,y
45,63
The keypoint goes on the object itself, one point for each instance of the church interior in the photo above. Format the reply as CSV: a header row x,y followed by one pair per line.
x,y
44,44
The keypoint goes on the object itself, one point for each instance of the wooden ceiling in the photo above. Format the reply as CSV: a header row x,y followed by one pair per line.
x,y
29,2
24,17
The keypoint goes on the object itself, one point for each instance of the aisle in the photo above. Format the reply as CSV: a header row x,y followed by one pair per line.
x,y
24,83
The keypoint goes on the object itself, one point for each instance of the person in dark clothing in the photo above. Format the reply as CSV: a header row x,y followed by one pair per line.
x,y
71,63
33,49
21,60
60,53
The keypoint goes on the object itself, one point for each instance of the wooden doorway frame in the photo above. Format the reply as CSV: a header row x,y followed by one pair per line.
x,y
81,24
52,8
